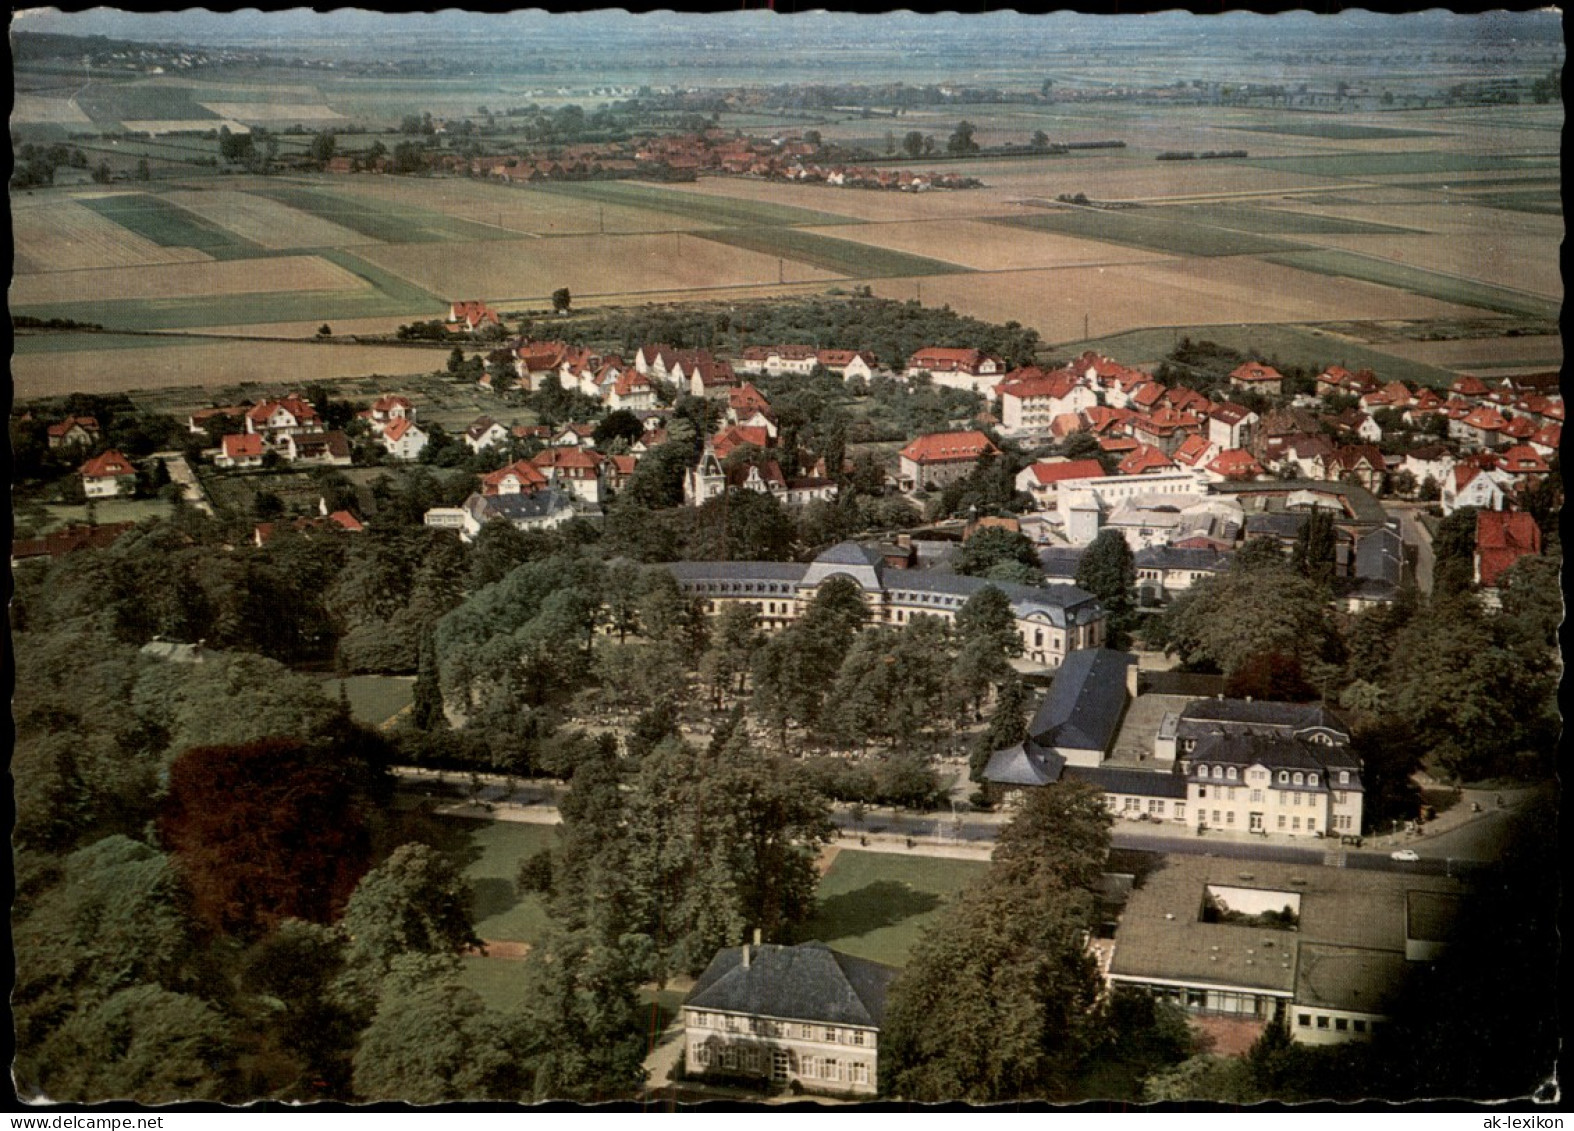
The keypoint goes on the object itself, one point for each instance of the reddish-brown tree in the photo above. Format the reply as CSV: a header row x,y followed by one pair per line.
x,y
265,831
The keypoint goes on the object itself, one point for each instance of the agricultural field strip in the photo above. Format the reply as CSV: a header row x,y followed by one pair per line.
x,y
62,234
1439,285
1154,233
727,211
856,260
384,220
1338,131
263,221
293,274
169,225
1377,164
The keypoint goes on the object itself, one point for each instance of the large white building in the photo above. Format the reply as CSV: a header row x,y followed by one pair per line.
x,y
1054,621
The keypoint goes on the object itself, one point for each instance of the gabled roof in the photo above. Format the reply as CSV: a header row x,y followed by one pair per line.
x,y
1145,457
86,423
1035,382
1229,413
1085,703
398,427
481,426
527,474
245,445
942,447
1193,450
1046,472
809,982
1254,371
1502,538
1261,714
108,465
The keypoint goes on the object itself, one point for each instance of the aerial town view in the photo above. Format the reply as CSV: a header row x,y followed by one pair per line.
x,y
802,559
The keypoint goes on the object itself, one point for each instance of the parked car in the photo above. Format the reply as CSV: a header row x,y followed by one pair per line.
x,y
1405,856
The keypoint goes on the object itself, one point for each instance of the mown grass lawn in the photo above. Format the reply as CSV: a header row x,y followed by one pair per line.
x,y
876,904
501,913
105,512
374,699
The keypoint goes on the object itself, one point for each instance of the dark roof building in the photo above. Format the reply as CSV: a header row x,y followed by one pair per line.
x,y
1083,708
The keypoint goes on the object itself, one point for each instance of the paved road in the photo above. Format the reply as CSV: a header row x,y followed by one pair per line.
x,y
180,472
1414,534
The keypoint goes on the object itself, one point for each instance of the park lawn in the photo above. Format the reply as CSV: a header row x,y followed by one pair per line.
x,y
730,212
859,260
169,225
1416,280
876,905
374,699
499,981
378,219
1156,229
500,913
1292,345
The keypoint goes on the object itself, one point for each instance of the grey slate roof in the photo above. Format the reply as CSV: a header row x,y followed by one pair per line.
x,y
1380,556
1084,704
519,508
1060,562
1116,779
1261,714
737,571
1276,752
1172,557
810,982
1026,763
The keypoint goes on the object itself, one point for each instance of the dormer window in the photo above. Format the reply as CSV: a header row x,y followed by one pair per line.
x,y
1230,773
1344,777
1218,773
1283,777
1202,771
1311,779
1298,778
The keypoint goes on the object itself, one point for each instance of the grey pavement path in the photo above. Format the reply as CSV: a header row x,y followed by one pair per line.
x,y
180,472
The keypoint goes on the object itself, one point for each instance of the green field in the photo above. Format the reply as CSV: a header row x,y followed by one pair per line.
x,y
859,260
374,699
500,913
1395,164
379,219
396,287
1545,202
227,310
108,103
713,209
70,342
1400,276
169,225
1150,229
1292,345
876,904
1280,222
1335,131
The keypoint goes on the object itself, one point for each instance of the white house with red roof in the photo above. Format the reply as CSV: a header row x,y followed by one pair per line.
x,y
1041,477
1230,425
704,375
470,316
291,415
1547,439
1264,379
1468,387
1143,459
518,478
778,361
942,457
1523,462
576,470
484,432
849,365
1430,461
73,431
403,439
656,361
1482,426
107,475
632,390
1031,398
1471,485
1235,465
329,449
969,369
239,450
386,409
1196,452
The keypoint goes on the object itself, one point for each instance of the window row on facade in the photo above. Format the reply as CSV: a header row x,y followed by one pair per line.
x,y
766,1027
